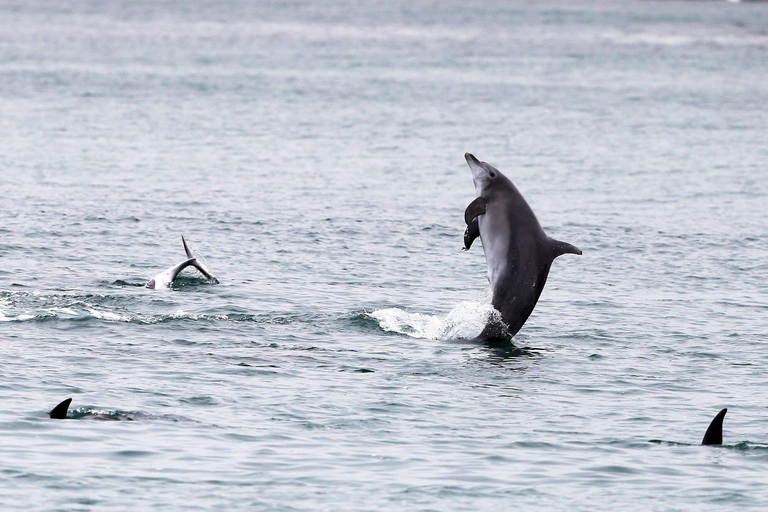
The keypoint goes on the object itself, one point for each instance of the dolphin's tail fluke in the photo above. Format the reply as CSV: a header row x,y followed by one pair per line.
x,y
199,266
197,263
186,248
714,435
60,411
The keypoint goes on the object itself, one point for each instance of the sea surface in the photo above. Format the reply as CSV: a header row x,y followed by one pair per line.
x,y
312,155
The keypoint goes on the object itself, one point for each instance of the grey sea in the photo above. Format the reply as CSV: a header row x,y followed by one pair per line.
x,y
311,153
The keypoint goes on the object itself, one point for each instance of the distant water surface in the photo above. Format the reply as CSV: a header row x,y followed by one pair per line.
x,y
312,154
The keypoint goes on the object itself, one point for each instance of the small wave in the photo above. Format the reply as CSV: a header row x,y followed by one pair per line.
x,y
39,307
466,320
364,321
743,446
664,39
123,283
36,306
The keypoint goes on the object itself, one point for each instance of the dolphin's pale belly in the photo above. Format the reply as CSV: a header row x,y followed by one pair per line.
x,y
495,237
164,279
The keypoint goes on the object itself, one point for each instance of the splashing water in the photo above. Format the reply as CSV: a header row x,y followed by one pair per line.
x,y
466,320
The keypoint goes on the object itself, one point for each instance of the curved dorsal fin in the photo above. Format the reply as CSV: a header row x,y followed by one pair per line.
x,y
60,411
714,435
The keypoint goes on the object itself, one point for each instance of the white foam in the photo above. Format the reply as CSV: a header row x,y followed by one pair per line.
x,y
181,314
667,39
108,315
466,320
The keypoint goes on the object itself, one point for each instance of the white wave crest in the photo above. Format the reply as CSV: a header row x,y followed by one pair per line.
x,y
109,315
466,320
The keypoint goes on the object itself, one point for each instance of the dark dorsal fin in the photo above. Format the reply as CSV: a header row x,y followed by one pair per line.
x,y
472,232
60,411
186,248
475,208
714,435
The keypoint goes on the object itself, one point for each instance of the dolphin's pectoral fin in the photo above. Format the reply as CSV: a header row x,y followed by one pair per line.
x,y
475,208
472,232
714,435
559,248
60,411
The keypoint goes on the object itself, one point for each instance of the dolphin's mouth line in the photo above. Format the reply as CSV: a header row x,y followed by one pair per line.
x,y
469,157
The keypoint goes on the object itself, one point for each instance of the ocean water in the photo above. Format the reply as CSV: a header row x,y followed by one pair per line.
x,y
312,154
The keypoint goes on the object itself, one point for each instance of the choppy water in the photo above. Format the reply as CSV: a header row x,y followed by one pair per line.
x,y
312,154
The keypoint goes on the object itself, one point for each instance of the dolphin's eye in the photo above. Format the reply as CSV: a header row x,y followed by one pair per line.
x,y
493,174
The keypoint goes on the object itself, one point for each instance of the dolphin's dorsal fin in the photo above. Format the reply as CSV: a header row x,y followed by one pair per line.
x,y
186,248
60,411
714,435
559,248
475,208
472,232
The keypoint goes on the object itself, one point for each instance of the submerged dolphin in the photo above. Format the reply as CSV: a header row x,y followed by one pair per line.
x,y
517,251
60,413
165,278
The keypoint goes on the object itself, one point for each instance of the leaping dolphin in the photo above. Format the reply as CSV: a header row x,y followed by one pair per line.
x,y
517,251
165,278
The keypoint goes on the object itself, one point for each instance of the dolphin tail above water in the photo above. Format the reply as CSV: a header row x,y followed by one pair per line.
x,y
165,278
714,434
518,253
197,263
186,248
60,411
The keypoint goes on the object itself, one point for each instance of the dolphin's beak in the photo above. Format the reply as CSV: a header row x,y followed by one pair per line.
x,y
479,173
